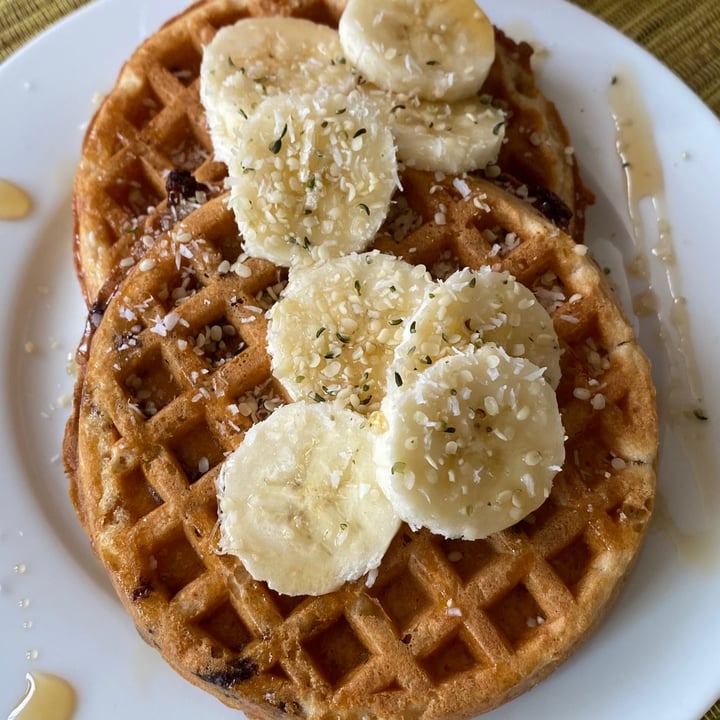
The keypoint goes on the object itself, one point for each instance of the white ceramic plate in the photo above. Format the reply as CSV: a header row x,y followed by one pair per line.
x,y
656,655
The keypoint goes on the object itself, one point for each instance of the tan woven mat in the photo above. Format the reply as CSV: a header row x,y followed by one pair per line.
x,y
683,34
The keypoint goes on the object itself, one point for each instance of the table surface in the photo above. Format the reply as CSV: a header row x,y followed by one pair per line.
x,y
682,34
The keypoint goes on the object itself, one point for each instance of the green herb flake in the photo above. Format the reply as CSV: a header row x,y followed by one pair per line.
x,y
395,321
358,289
276,146
473,282
397,467
311,183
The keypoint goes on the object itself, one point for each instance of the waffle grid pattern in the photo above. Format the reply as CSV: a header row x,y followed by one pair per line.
x,y
152,122
448,628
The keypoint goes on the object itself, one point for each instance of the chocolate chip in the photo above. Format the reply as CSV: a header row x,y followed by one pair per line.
x,y
181,184
551,206
142,591
238,671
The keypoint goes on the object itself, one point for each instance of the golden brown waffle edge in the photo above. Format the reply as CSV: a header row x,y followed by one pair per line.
x,y
152,123
150,409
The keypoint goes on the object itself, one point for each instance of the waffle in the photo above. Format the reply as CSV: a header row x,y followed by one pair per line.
x,y
448,628
152,123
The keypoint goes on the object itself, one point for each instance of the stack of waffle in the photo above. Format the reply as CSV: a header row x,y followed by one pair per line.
x,y
173,369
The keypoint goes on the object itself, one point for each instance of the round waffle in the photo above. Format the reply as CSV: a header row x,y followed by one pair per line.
x,y
447,628
147,159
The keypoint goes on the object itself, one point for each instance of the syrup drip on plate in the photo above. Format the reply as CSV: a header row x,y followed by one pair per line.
x,y
681,404
15,203
47,697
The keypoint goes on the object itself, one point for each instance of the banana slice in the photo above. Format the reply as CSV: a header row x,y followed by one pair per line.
x,y
257,58
313,177
474,307
332,334
299,504
436,49
471,447
449,137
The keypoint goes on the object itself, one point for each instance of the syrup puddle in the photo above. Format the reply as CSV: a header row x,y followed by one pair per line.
x,y
681,404
15,203
47,697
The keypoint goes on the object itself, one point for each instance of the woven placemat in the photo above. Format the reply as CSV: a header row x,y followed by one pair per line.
x,y
20,20
683,34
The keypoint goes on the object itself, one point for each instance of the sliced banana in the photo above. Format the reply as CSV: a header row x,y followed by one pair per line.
x,y
449,137
332,334
472,446
257,58
299,504
474,307
436,49
313,177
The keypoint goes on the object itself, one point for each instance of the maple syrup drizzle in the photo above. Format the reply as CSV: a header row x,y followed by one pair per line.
x,y
682,403
47,697
15,203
